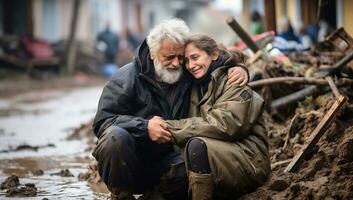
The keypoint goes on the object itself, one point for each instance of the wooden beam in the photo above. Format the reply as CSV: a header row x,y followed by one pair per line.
x,y
316,134
29,17
294,97
243,35
297,80
333,86
309,9
255,57
270,15
282,162
287,79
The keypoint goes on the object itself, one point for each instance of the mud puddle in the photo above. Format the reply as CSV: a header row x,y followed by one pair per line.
x,y
33,142
51,183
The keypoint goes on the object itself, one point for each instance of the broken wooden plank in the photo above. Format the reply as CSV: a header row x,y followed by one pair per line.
x,y
294,97
316,134
282,162
337,66
333,86
287,79
299,80
255,57
243,35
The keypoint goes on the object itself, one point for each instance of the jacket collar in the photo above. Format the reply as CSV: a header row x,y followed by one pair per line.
x,y
143,61
228,63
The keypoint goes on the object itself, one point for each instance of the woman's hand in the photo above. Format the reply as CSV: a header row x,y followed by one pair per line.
x,y
157,130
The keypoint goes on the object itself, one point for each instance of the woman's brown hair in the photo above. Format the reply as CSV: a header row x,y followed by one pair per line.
x,y
203,42
209,45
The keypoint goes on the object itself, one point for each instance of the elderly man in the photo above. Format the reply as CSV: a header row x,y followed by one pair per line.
x,y
134,151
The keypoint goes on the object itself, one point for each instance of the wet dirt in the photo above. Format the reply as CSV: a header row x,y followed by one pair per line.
x,y
11,181
34,143
15,189
327,171
28,190
52,127
63,173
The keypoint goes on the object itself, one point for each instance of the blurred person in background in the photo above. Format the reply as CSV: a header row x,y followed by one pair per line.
x,y
312,30
256,25
324,30
287,40
304,37
318,32
286,31
134,150
108,43
132,39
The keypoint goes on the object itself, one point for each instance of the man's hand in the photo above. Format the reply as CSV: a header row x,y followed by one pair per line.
x,y
157,130
237,76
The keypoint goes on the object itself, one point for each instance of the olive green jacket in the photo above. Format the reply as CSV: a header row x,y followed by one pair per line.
x,y
229,120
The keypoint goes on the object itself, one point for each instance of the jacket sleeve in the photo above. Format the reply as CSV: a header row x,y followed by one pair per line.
x,y
115,108
230,118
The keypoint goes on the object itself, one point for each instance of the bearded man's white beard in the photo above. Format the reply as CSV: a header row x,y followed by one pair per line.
x,y
167,75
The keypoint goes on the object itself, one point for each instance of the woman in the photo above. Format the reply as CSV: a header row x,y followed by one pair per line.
x,y
225,140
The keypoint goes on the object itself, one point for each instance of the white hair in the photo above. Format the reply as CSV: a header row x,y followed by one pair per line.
x,y
174,29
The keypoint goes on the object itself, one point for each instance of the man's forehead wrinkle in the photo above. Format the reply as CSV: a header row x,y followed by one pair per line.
x,y
172,52
171,44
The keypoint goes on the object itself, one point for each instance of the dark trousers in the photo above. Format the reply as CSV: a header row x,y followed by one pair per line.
x,y
140,165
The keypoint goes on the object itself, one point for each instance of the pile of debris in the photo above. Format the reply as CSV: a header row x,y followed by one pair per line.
x,y
310,127
33,54
27,52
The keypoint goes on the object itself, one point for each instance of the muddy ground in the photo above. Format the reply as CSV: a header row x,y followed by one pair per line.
x,y
37,119
326,173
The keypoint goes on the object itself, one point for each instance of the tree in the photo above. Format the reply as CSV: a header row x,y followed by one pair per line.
x,y
71,43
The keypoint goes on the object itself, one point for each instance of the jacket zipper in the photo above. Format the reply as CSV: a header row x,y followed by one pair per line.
x,y
158,91
176,108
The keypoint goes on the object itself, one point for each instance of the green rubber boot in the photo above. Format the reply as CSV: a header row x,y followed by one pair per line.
x,y
201,186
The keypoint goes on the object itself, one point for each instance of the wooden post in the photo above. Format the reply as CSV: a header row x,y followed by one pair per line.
x,y
316,134
71,43
270,15
29,13
243,35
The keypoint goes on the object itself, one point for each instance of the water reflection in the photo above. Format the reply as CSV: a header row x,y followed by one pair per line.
x,y
39,119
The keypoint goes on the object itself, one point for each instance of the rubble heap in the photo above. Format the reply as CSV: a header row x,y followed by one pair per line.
x,y
311,140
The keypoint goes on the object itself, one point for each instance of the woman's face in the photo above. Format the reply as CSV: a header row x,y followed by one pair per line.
x,y
197,61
